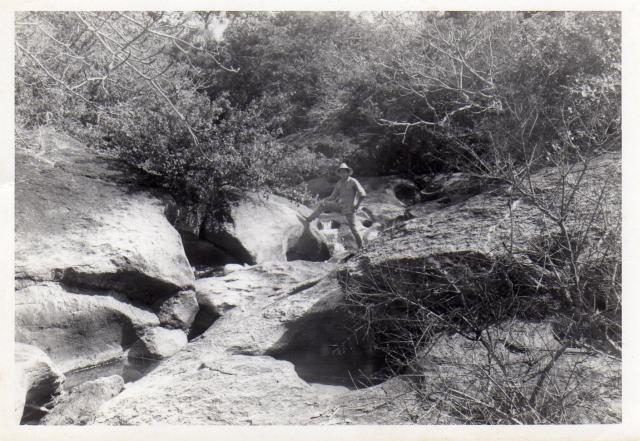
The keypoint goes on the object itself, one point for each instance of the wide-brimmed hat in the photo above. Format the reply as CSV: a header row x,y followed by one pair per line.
x,y
344,166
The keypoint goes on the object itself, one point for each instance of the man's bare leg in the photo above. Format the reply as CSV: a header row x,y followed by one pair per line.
x,y
351,221
323,206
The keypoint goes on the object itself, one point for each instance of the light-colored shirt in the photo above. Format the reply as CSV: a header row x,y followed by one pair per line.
x,y
345,192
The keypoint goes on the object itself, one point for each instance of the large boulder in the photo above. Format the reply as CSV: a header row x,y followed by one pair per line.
x,y
38,381
78,330
258,228
92,250
482,225
80,222
79,406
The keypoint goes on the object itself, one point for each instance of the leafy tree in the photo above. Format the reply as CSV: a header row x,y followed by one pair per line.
x,y
126,82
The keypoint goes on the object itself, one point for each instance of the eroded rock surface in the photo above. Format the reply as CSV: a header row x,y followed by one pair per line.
x,y
77,222
78,407
476,259
262,229
93,251
104,286
78,330
225,375
481,225
38,380
252,228
242,285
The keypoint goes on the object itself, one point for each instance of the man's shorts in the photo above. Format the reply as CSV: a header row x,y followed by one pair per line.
x,y
335,207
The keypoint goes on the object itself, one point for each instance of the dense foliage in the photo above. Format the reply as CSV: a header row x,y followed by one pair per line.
x,y
283,96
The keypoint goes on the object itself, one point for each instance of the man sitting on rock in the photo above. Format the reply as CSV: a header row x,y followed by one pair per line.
x,y
345,198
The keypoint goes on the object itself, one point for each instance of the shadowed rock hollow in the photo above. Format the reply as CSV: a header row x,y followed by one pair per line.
x,y
253,228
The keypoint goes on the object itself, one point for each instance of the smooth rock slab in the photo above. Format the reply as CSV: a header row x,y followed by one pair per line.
x,y
79,406
78,330
241,285
79,221
223,376
234,389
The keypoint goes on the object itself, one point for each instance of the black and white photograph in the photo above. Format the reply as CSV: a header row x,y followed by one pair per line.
x,y
317,218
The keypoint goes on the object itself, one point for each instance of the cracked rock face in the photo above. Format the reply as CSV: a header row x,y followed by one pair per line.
x,y
241,285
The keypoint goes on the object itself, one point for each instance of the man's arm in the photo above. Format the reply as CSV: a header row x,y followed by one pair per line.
x,y
334,194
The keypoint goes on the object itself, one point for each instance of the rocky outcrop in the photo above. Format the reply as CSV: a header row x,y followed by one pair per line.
x,y
92,251
78,330
113,281
78,223
468,274
225,376
480,225
38,381
78,407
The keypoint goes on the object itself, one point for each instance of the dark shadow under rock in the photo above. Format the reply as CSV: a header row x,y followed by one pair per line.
x,y
309,247
324,349
205,317
203,253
